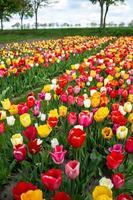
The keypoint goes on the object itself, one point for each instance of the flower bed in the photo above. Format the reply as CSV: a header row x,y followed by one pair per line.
x,y
74,139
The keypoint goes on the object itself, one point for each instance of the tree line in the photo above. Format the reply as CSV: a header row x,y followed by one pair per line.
x,y
29,8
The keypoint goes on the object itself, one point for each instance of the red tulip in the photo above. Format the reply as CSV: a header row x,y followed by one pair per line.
x,y
72,118
58,154
114,160
22,187
61,196
52,121
124,197
30,101
2,127
118,180
30,132
52,179
129,145
70,89
34,146
19,152
115,107
113,93
125,93
58,90
22,108
118,118
72,169
62,81
76,137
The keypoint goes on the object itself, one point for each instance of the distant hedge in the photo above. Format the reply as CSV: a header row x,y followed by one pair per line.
x,y
56,33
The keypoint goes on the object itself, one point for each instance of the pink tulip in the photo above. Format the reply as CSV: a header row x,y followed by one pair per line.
x,y
76,89
19,152
71,99
72,118
58,154
85,118
80,101
2,127
117,148
63,97
118,180
42,95
72,169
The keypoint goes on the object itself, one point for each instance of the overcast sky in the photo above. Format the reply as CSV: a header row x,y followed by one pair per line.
x,y
79,11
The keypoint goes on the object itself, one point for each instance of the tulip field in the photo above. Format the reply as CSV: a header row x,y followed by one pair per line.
x,y
66,119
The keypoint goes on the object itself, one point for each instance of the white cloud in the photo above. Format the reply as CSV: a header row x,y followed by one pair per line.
x,y
79,11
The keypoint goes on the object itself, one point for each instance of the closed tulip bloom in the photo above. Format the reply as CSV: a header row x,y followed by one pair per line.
x,y
128,107
52,179
70,99
2,127
34,146
101,114
85,118
72,169
62,111
61,196
76,137
32,194
6,104
106,182
44,130
72,118
117,148
129,145
30,101
130,118
22,187
121,132
58,154
22,108
30,132
17,139
2,114
114,160
10,120
25,119
13,109
102,193
19,152
118,180
52,121
124,197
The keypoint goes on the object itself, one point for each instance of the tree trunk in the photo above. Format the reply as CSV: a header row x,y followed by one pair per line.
x,y
22,21
105,15
101,18
1,22
36,19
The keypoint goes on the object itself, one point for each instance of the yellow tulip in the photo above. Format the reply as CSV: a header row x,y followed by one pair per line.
x,y
130,118
101,114
102,191
32,195
53,113
2,114
13,109
47,88
62,111
25,119
6,104
44,130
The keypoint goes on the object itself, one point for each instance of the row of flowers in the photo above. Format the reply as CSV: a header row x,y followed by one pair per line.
x,y
83,117
16,58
